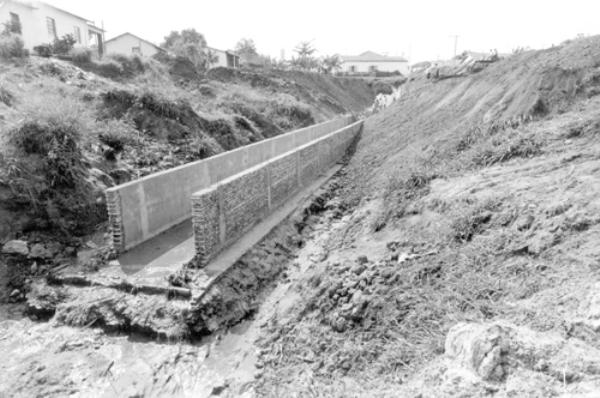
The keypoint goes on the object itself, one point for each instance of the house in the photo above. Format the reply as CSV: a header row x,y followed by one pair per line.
x,y
40,23
227,59
370,62
129,44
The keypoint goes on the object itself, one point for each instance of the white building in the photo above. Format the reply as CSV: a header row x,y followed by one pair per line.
x,y
130,44
41,23
226,59
370,62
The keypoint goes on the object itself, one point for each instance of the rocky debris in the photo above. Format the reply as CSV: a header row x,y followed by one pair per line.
x,y
508,360
18,247
591,310
43,299
479,348
498,350
524,222
15,295
45,251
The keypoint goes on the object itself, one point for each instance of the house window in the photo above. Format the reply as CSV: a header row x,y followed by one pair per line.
x,y
372,68
77,34
353,68
51,25
136,50
15,23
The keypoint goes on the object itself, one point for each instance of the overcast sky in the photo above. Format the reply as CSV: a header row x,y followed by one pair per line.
x,y
418,29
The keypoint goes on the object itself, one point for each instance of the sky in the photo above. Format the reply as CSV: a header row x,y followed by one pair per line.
x,y
418,29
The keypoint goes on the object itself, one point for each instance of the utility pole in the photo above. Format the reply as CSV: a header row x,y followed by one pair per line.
x,y
455,43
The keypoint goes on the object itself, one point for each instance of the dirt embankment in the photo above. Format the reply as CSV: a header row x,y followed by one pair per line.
x,y
467,264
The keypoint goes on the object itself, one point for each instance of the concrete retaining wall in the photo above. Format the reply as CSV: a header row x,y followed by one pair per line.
x,y
141,209
223,212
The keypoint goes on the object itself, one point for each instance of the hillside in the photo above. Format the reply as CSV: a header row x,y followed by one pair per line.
x,y
460,255
455,255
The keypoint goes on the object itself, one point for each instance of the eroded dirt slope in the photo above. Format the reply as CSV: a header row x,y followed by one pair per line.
x,y
467,264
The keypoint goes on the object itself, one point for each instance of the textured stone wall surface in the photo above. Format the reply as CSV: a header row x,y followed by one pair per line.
x,y
244,199
207,230
142,209
283,177
227,210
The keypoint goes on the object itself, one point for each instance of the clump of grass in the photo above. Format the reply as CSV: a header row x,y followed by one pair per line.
x,y
485,147
81,56
288,114
44,165
131,65
501,149
116,134
405,187
472,217
12,47
113,66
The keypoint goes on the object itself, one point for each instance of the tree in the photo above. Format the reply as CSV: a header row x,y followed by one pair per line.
x,y
246,49
331,63
187,36
211,58
64,44
304,49
188,44
11,27
305,59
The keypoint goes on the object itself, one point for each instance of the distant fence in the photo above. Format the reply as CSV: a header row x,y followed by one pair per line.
x,y
141,209
223,212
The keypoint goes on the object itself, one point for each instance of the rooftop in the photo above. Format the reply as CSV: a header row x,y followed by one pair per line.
x,y
137,37
370,56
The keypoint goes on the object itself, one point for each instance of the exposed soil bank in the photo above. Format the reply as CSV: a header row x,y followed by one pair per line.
x,y
468,263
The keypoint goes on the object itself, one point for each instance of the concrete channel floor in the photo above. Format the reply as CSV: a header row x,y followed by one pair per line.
x,y
151,262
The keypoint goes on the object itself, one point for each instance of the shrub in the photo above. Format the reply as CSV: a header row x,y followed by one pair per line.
x,y
43,50
11,27
382,87
287,113
12,46
130,65
116,134
81,55
110,69
63,45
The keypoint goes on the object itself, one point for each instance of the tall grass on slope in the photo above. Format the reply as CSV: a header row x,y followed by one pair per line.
x,y
43,163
